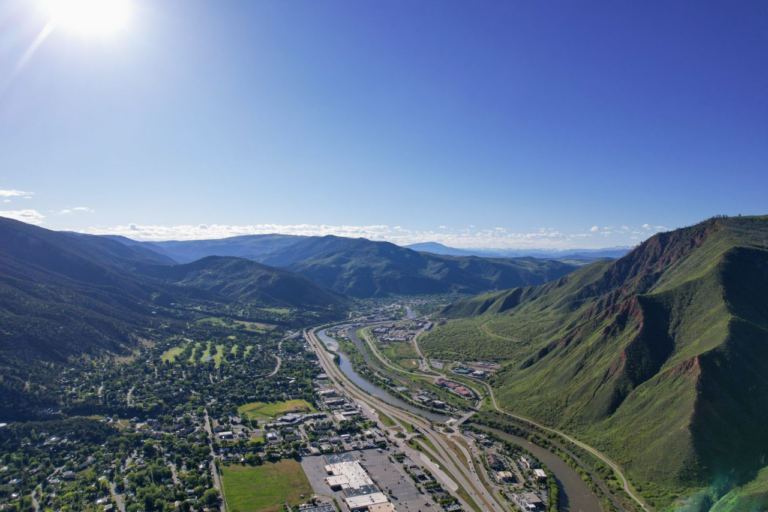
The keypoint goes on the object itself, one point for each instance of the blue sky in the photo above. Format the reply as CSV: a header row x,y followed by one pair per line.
x,y
496,124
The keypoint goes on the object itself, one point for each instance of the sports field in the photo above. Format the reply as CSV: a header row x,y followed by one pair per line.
x,y
265,488
265,410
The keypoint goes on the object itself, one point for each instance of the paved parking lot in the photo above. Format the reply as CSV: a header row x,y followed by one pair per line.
x,y
314,468
387,476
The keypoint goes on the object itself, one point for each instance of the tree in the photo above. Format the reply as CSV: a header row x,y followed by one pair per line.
x,y
211,497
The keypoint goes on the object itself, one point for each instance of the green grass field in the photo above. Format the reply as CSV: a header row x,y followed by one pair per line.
x,y
264,410
200,352
228,322
402,354
265,488
170,355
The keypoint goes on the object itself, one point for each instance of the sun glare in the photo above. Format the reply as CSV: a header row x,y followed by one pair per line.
x,y
89,17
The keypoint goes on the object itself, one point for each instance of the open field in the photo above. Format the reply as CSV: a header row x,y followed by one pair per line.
x,y
402,354
264,488
170,355
234,324
199,353
265,410
216,357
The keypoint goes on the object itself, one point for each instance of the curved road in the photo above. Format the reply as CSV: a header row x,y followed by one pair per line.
x,y
447,459
593,451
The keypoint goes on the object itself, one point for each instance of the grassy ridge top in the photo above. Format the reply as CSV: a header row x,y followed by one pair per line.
x,y
658,358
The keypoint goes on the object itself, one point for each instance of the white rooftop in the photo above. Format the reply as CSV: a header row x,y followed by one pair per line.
x,y
356,476
360,502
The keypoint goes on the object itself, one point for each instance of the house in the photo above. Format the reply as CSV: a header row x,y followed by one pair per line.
x,y
504,477
539,474
462,391
493,461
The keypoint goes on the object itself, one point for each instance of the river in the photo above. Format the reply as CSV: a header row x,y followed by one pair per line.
x,y
374,390
575,494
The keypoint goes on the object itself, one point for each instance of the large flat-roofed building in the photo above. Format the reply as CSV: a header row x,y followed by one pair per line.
x,y
347,475
337,482
382,507
530,502
366,501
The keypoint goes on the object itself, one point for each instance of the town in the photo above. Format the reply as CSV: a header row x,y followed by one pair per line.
x,y
196,422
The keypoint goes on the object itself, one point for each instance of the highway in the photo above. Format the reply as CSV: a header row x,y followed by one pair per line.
x,y
445,457
593,451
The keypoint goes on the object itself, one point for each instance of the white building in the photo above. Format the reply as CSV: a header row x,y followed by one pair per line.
x,y
363,502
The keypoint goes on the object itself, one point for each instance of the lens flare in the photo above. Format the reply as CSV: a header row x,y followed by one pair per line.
x,y
89,17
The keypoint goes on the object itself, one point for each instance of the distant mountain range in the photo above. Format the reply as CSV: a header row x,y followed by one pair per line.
x,y
575,254
362,268
64,293
659,359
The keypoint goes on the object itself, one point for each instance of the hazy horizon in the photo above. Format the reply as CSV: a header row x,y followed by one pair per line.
x,y
508,125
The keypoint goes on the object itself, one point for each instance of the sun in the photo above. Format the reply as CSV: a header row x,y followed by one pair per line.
x,y
89,17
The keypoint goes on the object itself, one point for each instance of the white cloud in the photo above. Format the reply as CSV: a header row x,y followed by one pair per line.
x,y
441,227
75,209
625,228
647,226
6,200
486,238
594,228
13,193
28,216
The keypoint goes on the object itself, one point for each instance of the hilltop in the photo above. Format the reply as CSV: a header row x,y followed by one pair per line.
x,y
245,280
363,268
658,359
65,295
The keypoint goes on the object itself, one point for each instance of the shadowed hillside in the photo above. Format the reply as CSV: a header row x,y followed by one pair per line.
x,y
363,268
245,280
65,295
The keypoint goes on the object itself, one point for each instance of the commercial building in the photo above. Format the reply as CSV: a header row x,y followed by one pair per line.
x,y
366,501
382,507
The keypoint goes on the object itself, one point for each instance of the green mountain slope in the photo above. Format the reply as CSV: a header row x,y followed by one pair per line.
x,y
362,268
248,281
659,359
65,295
254,247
